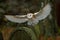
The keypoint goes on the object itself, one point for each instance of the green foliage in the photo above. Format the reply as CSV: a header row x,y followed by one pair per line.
x,y
27,30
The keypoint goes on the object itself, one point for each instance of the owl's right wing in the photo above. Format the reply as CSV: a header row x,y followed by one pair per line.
x,y
16,19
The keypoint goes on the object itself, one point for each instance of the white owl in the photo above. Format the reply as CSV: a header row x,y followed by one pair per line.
x,y
31,18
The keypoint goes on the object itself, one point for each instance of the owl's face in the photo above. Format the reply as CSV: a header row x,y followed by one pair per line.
x,y
23,6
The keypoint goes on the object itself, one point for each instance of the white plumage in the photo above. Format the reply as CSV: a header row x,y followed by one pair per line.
x,y
42,14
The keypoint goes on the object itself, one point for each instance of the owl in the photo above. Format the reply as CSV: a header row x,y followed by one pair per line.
x,y
31,18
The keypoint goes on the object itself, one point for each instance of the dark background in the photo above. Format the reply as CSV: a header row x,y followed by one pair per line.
x,y
57,6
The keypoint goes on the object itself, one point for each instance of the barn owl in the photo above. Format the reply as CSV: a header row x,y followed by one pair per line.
x,y
31,18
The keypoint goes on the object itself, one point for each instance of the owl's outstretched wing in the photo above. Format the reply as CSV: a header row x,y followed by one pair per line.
x,y
42,14
16,19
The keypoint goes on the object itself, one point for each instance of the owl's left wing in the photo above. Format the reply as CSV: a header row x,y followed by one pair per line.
x,y
42,14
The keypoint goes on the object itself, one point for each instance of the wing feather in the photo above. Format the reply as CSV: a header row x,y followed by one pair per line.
x,y
17,20
42,14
